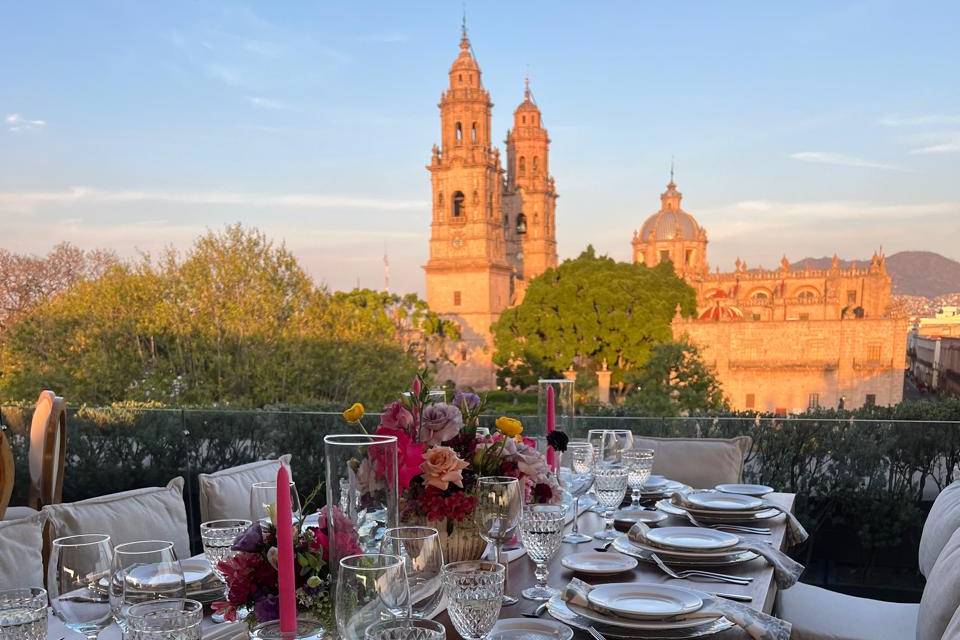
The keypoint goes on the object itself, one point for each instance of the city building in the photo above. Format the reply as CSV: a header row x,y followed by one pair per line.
x,y
782,340
945,323
492,227
934,362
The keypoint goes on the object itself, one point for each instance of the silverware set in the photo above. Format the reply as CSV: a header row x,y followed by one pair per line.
x,y
734,528
692,574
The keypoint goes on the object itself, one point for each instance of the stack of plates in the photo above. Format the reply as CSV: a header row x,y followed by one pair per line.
x,y
657,487
201,583
717,507
627,610
687,546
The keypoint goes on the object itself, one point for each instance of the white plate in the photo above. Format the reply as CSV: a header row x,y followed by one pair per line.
x,y
644,601
559,610
716,517
639,625
691,538
647,517
719,501
529,629
641,552
655,483
599,563
758,490
686,556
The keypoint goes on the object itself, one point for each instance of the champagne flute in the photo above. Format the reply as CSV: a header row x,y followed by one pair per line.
x,y
263,501
639,463
143,571
423,559
370,588
610,483
579,457
77,579
497,514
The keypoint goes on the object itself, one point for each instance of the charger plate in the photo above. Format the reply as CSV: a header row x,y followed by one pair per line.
x,y
559,610
643,601
714,517
626,547
691,539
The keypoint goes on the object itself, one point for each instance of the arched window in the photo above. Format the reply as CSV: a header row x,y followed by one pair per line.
x,y
460,78
457,204
473,132
806,296
523,119
506,220
476,197
536,165
440,199
521,224
522,166
458,133
760,297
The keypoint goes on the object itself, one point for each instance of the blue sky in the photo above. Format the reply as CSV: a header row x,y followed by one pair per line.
x,y
798,128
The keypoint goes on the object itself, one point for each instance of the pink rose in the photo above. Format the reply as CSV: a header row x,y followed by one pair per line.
x,y
396,416
441,466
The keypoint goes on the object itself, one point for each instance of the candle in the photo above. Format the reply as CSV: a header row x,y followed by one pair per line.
x,y
286,581
551,425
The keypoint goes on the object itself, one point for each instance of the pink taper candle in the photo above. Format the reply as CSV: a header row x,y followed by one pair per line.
x,y
551,425
286,581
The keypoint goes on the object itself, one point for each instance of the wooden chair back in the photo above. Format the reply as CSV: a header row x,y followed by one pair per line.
x,y
6,471
48,444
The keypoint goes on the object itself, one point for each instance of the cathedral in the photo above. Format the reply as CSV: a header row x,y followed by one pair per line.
x,y
780,340
493,226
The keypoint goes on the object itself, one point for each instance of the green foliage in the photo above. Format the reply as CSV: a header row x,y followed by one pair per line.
x,y
234,322
676,381
587,311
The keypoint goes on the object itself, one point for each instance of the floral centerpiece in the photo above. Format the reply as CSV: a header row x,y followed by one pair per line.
x,y
440,456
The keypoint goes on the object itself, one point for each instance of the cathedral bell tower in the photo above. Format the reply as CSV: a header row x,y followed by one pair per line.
x,y
530,194
468,275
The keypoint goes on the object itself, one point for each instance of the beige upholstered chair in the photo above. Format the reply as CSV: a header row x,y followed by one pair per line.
x,y
6,472
702,463
953,629
943,520
21,559
226,493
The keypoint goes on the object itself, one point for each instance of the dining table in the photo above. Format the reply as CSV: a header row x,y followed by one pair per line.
x,y
763,588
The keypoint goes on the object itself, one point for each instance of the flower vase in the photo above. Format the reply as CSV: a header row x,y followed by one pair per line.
x,y
459,540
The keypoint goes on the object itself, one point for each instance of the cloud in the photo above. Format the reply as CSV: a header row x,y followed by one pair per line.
x,y
27,200
916,121
224,74
268,103
940,143
16,123
839,159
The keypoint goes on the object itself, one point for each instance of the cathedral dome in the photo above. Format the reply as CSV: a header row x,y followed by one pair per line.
x,y
670,222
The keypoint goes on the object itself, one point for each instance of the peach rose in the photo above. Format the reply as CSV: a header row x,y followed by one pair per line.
x,y
441,466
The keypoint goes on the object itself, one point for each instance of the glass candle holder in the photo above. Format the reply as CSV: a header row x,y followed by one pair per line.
x,y
306,630
563,406
361,492
169,619
23,614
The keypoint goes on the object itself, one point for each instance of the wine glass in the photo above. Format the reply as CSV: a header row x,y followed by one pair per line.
x,y
609,444
423,559
77,577
217,537
474,590
263,500
610,483
541,530
578,480
143,571
497,514
370,588
639,464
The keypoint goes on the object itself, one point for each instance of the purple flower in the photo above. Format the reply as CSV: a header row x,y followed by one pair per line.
x,y
250,540
439,422
267,608
461,398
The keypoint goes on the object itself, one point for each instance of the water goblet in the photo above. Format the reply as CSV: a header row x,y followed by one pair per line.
x,y
23,614
579,457
370,588
263,500
639,463
170,619
406,629
610,483
541,531
423,559
497,514
607,447
217,537
141,572
78,576
474,591
307,629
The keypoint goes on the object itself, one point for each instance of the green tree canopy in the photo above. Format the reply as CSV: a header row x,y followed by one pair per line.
x,y
587,311
676,381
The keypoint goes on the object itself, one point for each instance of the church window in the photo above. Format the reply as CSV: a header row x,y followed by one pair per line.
x,y
458,133
806,297
506,220
522,166
456,298
760,297
536,166
523,119
813,401
457,204
871,400
476,197
521,224
688,257
440,199
851,296
664,255
804,316
873,352
473,132
756,317
460,78
751,401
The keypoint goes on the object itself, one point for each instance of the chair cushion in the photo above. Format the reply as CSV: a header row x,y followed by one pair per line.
x,y
701,463
819,614
155,513
941,595
943,520
19,512
226,493
953,629
21,552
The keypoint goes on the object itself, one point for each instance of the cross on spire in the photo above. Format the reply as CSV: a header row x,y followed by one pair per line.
x,y
671,170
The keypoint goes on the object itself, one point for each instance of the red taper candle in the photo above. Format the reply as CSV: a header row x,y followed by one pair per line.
x,y
286,580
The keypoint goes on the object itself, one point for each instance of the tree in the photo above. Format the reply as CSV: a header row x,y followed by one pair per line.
x,y
587,311
675,381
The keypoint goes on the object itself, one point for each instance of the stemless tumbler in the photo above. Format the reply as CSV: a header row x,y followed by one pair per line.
x,y
143,571
423,559
78,575
370,588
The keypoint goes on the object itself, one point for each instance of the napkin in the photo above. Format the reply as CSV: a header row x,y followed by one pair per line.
x,y
759,625
786,570
795,531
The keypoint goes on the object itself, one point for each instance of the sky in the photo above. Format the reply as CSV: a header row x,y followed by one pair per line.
x,y
797,128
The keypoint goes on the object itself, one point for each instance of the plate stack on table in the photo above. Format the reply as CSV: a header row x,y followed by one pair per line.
x,y
659,487
201,583
686,546
717,507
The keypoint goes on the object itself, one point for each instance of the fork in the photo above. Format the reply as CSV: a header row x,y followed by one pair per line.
x,y
762,531
694,573
595,634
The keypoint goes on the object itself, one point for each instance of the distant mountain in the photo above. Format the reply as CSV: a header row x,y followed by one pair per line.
x,y
914,273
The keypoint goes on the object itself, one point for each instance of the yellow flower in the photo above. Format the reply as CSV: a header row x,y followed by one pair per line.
x,y
354,413
510,427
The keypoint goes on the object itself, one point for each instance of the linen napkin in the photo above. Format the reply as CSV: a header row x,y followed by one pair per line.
x,y
795,531
786,570
759,625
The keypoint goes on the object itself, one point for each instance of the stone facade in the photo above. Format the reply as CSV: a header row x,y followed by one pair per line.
x,y
492,229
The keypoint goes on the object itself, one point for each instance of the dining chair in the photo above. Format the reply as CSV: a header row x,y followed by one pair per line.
x,y
702,463
21,551
226,493
7,471
942,521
